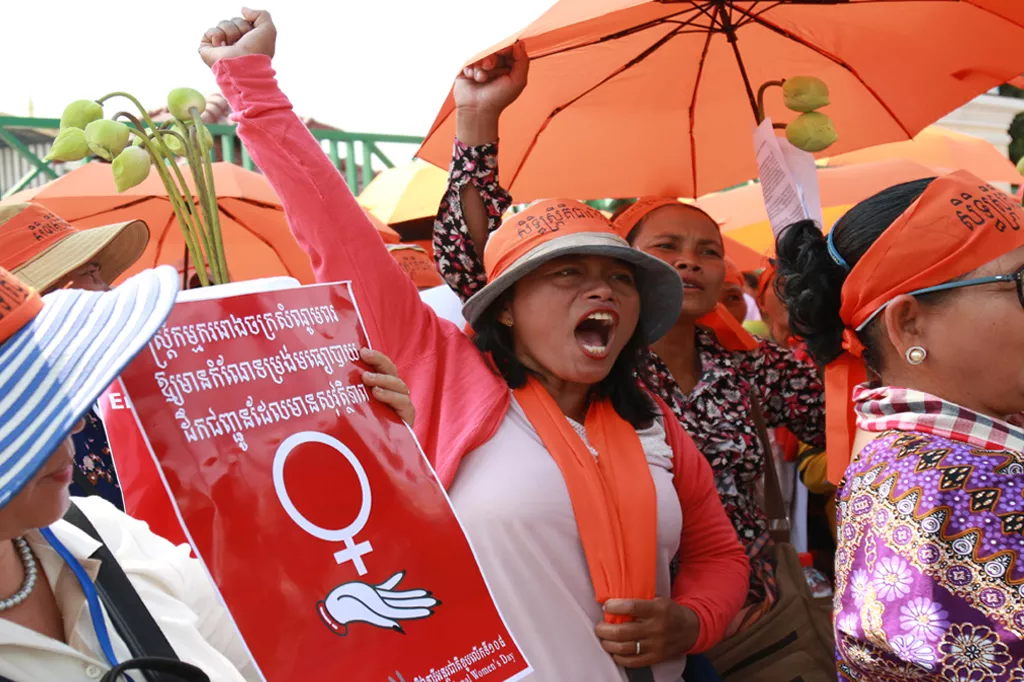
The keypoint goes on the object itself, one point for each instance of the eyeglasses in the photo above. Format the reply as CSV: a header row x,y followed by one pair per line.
x,y
1015,277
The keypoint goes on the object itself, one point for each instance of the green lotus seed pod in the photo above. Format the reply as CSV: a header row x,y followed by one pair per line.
x,y
1020,166
181,101
70,145
805,93
106,138
811,132
130,168
80,113
175,145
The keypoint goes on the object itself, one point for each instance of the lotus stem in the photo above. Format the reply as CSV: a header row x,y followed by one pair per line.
x,y
760,97
177,206
145,117
202,193
202,231
158,150
204,152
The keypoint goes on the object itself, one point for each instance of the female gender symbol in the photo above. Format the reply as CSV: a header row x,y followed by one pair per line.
x,y
352,552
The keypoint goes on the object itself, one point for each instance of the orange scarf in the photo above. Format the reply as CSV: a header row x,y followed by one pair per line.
x,y
957,225
730,333
613,496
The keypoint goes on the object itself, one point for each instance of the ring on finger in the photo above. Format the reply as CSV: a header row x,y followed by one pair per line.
x,y
637,648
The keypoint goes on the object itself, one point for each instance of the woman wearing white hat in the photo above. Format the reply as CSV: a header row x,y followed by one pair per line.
x,y
47,253
574,489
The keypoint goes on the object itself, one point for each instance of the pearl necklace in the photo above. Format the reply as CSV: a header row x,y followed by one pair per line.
x,y
30,576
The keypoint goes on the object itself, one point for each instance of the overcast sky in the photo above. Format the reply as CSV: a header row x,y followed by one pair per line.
x,y
363,65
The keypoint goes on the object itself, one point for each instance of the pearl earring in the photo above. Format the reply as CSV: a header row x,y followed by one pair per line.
x,y
916,355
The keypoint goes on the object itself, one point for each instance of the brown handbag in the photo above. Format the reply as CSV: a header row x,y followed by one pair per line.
x,y
794,641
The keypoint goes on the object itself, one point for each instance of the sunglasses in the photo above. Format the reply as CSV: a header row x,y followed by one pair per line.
x,y
1016,277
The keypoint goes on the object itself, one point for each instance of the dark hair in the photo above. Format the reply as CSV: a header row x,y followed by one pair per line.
x,y
621,386
810,282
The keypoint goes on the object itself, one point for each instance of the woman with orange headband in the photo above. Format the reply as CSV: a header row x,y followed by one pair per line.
x,y
706,368
922,283
569,480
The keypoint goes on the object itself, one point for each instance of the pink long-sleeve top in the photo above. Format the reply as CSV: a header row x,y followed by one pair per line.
x,y
460,400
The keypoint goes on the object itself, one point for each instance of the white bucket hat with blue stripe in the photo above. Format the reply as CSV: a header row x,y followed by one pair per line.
x,y
59,353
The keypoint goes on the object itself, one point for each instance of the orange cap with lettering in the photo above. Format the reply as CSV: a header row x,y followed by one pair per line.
x,y
28,232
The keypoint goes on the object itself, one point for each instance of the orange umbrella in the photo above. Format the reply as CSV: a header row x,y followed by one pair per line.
x,y
944,150
639,97
404,193
257,241
742,215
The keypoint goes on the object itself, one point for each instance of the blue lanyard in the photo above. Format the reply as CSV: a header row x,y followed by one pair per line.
x,y
91,596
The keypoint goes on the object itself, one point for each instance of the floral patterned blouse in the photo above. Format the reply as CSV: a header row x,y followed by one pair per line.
x,y
94,463
929,568
716,413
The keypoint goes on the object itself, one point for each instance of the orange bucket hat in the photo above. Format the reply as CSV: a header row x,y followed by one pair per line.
x,y
41,248
554,228
729,332
958,224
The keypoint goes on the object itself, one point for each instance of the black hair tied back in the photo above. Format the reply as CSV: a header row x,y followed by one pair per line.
x,y
810,281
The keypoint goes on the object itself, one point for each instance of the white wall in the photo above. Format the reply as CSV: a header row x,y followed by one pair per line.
x,y
987,116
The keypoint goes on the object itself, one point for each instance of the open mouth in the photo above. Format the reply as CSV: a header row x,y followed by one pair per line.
x,y
594,332
692,284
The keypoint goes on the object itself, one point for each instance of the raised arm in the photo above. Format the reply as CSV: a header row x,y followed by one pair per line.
x,y
322,213
474,202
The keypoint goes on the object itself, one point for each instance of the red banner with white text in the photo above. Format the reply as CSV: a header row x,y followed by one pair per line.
x,y
311,505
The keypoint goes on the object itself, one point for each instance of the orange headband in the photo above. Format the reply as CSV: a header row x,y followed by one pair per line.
x,y
540,222
639,210
957,225
19,304
28,233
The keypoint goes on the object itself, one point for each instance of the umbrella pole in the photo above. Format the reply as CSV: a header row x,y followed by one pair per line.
x,y
730,35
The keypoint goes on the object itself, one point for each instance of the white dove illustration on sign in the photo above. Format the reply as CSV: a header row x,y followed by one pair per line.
x,y
378,605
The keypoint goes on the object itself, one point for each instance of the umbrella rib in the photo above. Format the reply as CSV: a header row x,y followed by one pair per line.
x,y
990,11
630,64
759,19
166,233
694,11
248,229
693,108
129,204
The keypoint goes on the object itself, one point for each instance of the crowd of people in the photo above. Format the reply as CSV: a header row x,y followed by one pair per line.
x,y
608,431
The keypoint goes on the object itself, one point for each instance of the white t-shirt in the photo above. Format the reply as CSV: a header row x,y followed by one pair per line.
x,y
174,587
515,507
445,303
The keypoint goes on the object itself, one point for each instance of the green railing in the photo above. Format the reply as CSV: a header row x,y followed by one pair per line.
x,y
353,154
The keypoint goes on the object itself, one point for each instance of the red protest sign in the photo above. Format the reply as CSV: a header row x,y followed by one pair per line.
x,y
311,505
